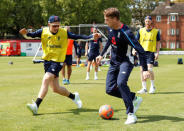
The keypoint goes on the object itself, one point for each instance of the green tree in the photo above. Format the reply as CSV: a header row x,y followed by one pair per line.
x,y
16,14
142,8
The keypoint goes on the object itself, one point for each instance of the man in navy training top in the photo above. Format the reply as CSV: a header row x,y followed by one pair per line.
x,y
92,50
121,39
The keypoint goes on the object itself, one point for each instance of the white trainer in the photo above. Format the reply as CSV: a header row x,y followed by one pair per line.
x,y
33,107
136,103
131,119
152,90
95,78
87,77
142,91
77,100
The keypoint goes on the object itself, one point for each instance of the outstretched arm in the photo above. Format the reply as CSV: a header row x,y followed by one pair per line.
x,y
83,37
32,35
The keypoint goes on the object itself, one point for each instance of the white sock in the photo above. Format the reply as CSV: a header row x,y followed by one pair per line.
x,y
144,84
152,83
96,73
91,67
87,74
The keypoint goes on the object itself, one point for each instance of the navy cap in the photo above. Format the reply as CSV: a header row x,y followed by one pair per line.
x,y
54,19
148,17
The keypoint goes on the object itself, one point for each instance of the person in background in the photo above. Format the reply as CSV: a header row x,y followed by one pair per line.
x,y
149,39
68,61
92,50
78,50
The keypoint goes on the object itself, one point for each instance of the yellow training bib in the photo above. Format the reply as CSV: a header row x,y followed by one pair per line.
x,y
54,46
148,40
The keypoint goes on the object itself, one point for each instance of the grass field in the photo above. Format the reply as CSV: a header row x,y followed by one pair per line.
x,y
20,83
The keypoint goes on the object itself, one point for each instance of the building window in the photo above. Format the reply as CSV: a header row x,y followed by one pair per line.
x,y
177,32
178,45
167,44
158,18
172,45
172,31
173,18
168,32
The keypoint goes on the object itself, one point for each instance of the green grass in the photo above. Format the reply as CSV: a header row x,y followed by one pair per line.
x,y
20,83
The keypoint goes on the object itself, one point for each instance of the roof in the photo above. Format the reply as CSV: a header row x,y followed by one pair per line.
x,y
163,9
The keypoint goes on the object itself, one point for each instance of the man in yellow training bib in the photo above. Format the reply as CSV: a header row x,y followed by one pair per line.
x,y
54,41
149,39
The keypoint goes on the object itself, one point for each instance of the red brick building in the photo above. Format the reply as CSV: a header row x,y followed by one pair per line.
x,y
168,17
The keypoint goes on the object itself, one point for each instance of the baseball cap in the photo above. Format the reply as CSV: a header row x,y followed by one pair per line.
x,y
54,18
148,17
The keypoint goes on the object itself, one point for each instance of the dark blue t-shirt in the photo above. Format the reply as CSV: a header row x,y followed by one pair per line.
x,y
122,41
94,46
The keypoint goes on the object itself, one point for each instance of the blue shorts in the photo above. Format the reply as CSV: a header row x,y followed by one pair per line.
x,y
78,52
92,57
53,67
68,60
150,57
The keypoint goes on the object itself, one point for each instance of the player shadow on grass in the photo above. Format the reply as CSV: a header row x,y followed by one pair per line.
x,y
169,93
154,118
88,83
78,111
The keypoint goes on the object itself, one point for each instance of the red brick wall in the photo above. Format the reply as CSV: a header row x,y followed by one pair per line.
x,y
164,25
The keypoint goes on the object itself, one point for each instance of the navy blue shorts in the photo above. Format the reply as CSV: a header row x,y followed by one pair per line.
x,y
150,57
68,60
53,67
92,57
78,51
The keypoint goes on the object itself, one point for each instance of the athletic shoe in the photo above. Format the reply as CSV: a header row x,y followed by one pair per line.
x,y
142,91
95,78
77,100
87,77
33,108
131,119
136,103
64,82
152,90
67,82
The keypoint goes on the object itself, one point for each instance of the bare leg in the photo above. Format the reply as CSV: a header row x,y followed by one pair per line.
x,y
69,71
150,66
63,71
48,77
58,89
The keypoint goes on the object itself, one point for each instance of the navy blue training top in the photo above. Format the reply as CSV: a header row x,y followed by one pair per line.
x,y
94,46
38,33
122,41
